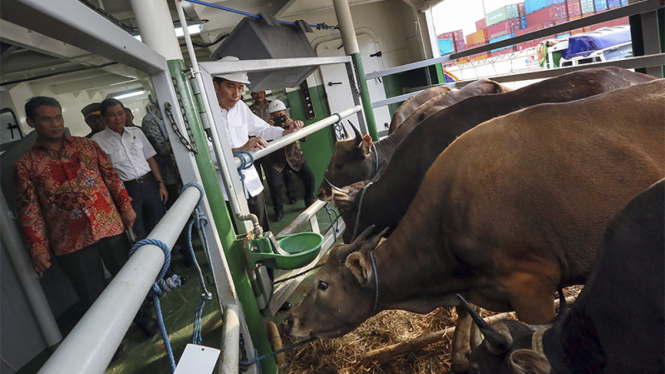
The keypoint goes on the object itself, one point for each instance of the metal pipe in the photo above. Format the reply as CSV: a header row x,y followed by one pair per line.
x,y
230,363
290,138
27,276
343,13
156,27
90,346
302,218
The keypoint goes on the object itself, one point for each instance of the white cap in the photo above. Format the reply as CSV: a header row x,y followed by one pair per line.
x,y
240,77
276,106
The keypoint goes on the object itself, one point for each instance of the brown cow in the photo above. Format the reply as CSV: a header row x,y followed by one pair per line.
x,y
385,202
412,103
355,160
511,211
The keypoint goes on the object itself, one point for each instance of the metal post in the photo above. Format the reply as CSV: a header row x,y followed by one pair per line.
x,y
230,363
90,346
27,276
343,12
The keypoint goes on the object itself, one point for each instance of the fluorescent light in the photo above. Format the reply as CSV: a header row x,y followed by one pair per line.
x,y
129,94
194,29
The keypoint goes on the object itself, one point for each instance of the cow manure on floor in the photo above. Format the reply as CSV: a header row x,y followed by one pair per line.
x,y
343,355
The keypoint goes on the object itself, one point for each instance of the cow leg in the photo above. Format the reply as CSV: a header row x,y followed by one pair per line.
x,y
463,338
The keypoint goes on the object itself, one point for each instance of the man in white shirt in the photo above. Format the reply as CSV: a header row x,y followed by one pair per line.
x,y
239,124
133,158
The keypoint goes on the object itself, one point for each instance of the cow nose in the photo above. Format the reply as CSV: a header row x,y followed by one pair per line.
x,y
320,193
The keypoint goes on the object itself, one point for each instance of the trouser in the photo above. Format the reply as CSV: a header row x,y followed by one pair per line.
x,y
257,206
84,267
147,204
276,180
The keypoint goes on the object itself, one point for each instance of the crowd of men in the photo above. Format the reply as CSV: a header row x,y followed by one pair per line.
x,y
85,199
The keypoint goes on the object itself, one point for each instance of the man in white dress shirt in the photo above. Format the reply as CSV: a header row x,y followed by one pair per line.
x,y
239,124
133,158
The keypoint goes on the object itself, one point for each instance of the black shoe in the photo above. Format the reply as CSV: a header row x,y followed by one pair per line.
x,y
118,353
286,306
292,200
279,215
148,325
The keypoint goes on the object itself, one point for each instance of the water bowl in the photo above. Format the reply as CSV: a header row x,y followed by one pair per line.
x,y
303,248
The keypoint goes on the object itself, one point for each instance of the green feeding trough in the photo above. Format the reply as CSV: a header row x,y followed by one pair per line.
x,y
286,252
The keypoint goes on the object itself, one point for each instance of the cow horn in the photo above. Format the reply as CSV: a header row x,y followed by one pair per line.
x,y
498,343
359,136
346,132
344,250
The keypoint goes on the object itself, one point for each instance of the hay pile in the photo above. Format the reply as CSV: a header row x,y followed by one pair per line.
x,y
342,355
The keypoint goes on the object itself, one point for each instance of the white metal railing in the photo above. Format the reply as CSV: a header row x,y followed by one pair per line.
x,y
280,143
90,346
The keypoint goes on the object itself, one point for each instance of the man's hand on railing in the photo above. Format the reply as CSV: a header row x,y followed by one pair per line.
x,y
292,126
252,143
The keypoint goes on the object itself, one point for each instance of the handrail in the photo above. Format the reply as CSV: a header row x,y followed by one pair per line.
x,y
625,11
90,346
290,138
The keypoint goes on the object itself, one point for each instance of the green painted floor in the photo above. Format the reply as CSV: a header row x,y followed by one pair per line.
x,y
148,355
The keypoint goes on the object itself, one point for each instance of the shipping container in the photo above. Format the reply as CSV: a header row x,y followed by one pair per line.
x,y
573,7
550,14
446,46
563,35
500,15
587,6
523,23
481,24
521,10
460,45
527,45
507,36
477,37
600,5
531,6
445,35
577,31
574,18
615,22
624,2
558,1
529,29
479,56
458,35
613,4
503,28
503,51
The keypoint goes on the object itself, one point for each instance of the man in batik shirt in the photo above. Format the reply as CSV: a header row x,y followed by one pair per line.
x,y
72,202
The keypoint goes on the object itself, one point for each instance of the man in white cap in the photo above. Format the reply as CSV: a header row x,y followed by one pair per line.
x,y
239,124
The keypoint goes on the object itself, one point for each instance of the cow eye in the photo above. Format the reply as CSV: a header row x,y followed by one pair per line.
x,y
322,285
339,166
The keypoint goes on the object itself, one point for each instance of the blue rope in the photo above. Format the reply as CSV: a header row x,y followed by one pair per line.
x,y
319,26
333,222
158,290
244,166
201,222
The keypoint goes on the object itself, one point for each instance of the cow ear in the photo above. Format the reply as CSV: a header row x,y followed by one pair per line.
x,y
360,267
528,361
366,145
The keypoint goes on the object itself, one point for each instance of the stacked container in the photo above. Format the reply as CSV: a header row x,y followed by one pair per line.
x,y
574,9
523,23
477,38
600,5
460,43
531,6
587,7
549,14
504,50
446,35
446,46
503,28
481,24
521,10
501,14
613,4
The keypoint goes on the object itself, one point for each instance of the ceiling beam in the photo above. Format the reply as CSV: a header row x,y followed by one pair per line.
x,y
90,83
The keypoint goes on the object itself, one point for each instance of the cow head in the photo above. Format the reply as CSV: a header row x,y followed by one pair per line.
x,y
351,162
347,203
343,293
508,346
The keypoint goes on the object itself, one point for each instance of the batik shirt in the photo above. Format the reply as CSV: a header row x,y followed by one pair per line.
x,y
68,199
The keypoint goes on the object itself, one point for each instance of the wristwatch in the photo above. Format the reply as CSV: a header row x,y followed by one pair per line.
x,y
160,181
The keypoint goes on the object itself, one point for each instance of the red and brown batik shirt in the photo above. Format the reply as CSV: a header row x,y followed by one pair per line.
x,y
68,199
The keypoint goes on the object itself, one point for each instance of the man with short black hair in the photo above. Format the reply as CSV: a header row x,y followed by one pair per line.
x,y
71,201
133,158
